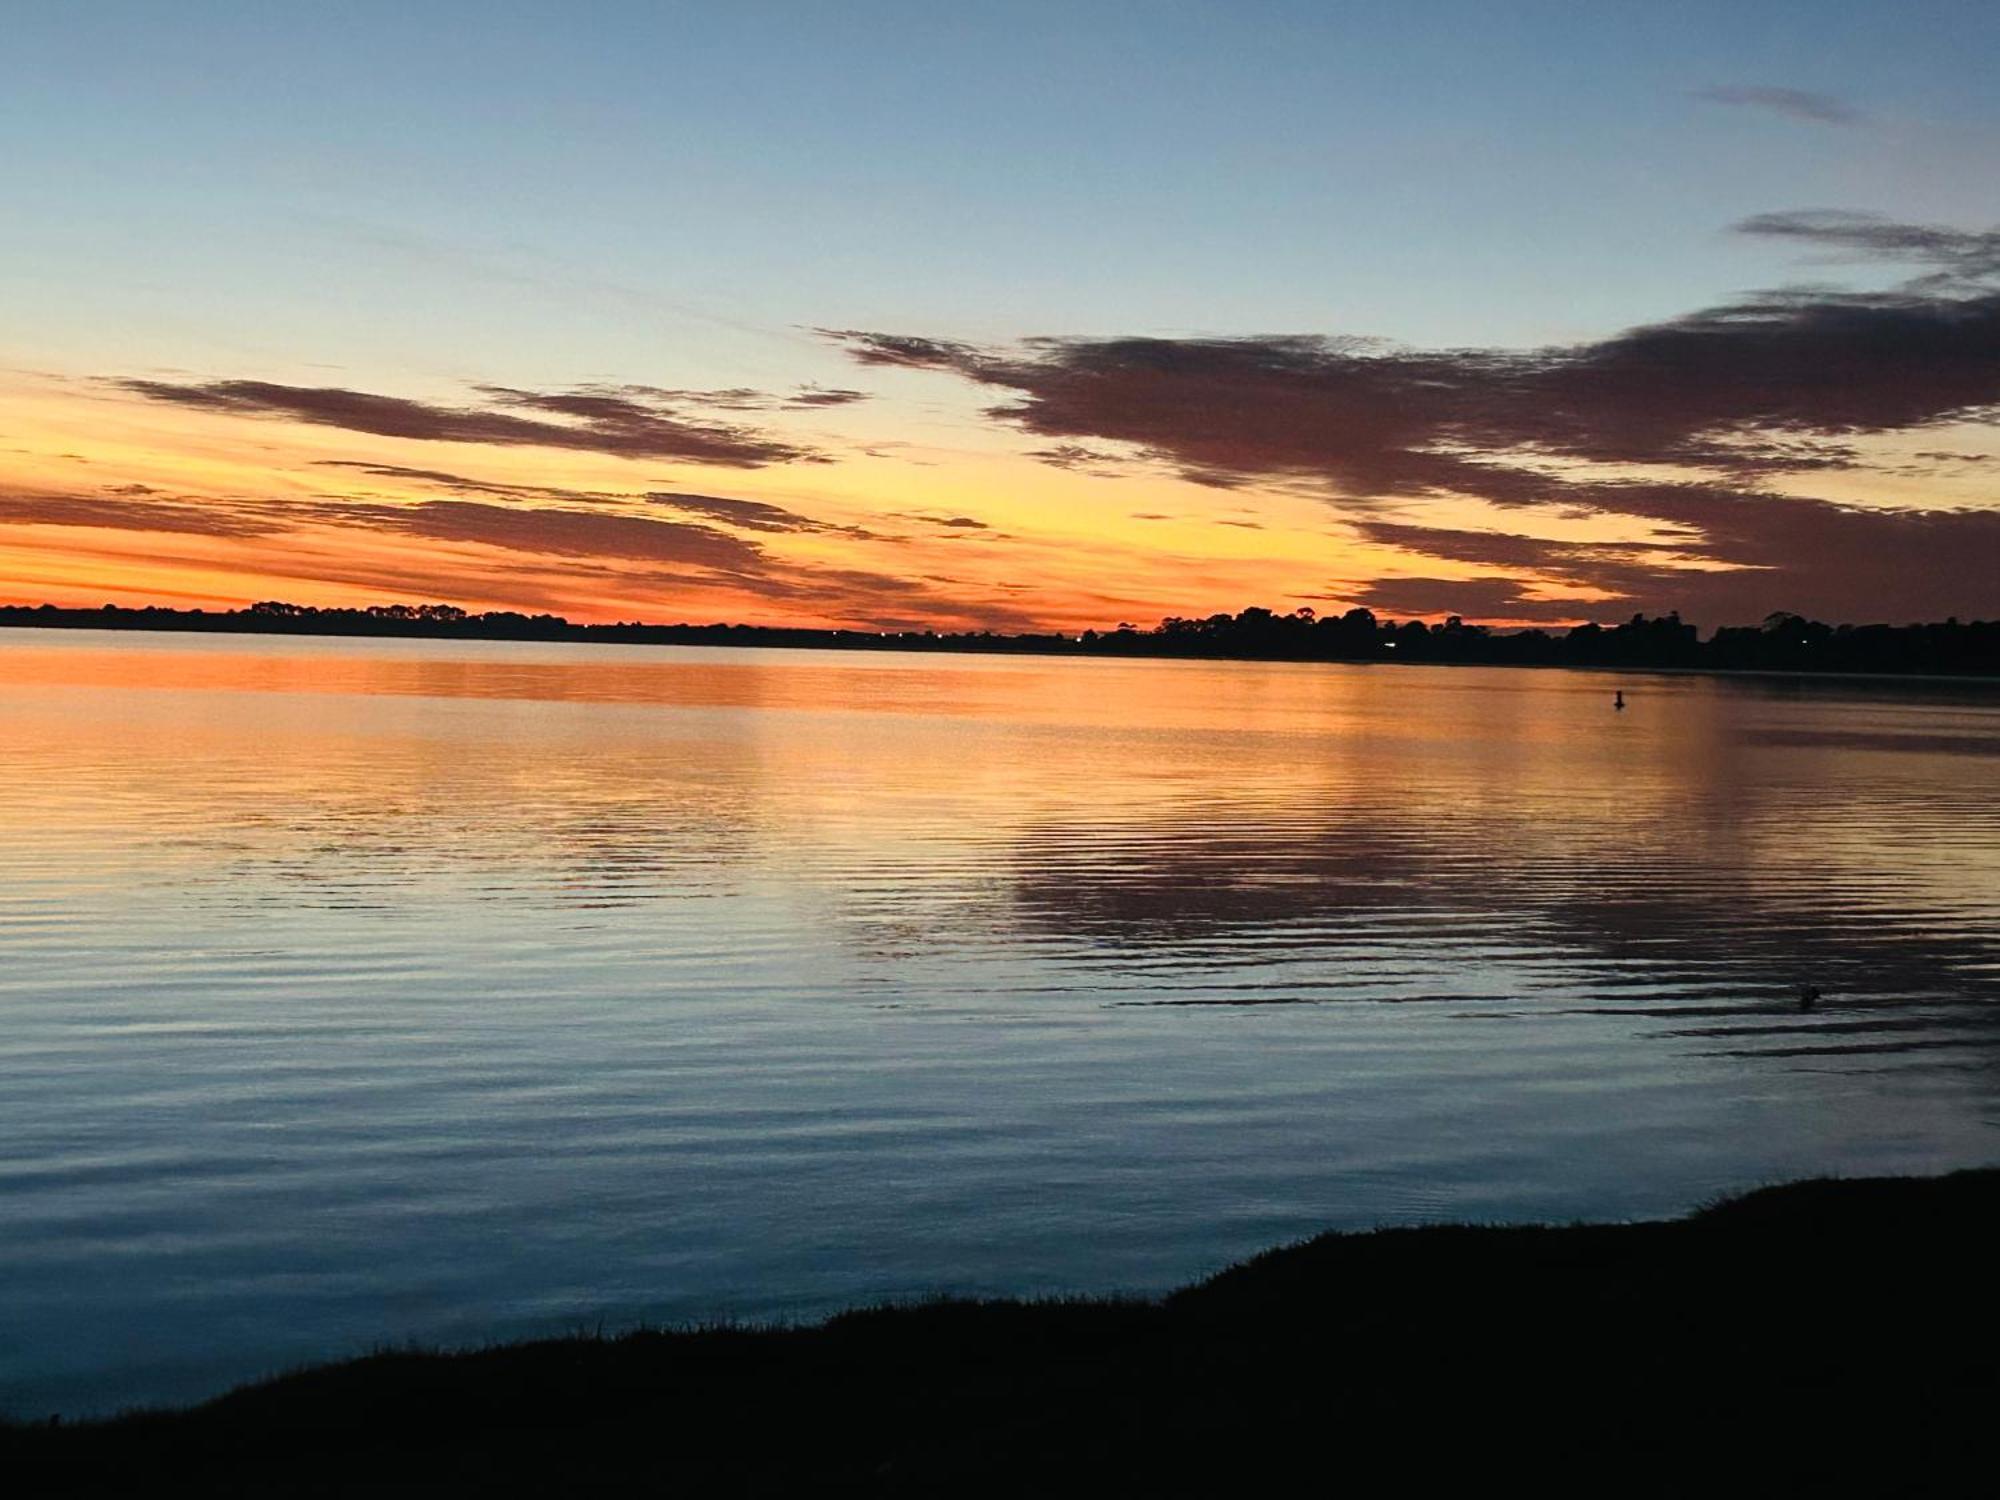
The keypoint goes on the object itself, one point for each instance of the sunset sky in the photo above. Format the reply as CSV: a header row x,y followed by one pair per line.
x,y
1013,315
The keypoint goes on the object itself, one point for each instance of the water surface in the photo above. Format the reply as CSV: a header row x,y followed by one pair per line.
x,y
357,992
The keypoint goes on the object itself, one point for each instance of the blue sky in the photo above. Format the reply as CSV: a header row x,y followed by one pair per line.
x,y
1439,173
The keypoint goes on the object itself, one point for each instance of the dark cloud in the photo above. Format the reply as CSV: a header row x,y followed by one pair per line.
x,y
1495,549
641,553
907,351
737,398
754,515
130,508
1831,561
810,396
748,515
1082,458
459,483
1474,598
863,598
1747,387
1799,104
1750,555
553,532
948,523
1784,366
1783,383
625,421
697,556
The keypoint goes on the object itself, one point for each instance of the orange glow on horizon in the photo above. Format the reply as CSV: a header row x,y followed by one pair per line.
x,y
106,496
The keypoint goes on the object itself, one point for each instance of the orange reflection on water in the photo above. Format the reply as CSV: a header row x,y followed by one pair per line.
x,y
528,746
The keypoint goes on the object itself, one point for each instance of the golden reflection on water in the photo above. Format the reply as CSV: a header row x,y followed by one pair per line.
x,y
721,751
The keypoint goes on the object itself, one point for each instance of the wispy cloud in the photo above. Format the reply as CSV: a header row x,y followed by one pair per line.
x,y
1083,459
1958,260
949,523
1797,104
753,515
623,421
401,475
809,397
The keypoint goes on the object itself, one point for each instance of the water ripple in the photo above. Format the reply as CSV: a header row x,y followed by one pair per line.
x,y
364,991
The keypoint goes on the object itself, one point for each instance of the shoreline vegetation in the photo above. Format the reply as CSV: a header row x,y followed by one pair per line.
x,y
1782,643
1836,1334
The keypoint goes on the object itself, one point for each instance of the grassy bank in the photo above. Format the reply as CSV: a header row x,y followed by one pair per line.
x,y
1820,1336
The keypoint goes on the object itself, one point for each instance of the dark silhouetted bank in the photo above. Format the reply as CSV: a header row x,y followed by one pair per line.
x,y
1825,1337
1783,643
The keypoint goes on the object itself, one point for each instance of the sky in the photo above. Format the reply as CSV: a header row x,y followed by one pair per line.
x,y
1012,316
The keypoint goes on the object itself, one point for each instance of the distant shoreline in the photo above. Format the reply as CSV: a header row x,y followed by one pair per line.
x,y
1785,646
1759,1310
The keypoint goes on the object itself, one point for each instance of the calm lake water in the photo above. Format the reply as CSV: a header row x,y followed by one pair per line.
x,y
362,992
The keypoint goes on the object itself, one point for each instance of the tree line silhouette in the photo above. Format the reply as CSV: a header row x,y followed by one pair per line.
x,y
1784,642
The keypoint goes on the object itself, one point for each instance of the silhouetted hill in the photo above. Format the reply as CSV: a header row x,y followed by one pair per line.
x,y
1783,643
1826,1337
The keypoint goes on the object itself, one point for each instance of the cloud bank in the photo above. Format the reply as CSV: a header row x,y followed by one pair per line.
x,y
1692,425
